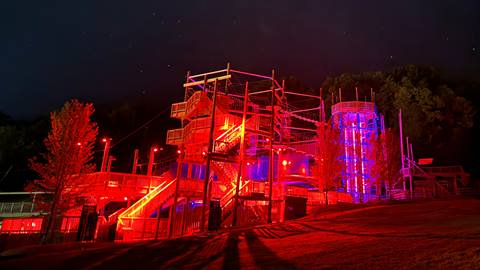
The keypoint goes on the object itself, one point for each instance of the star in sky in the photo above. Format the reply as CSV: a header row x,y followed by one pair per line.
x,y
309,40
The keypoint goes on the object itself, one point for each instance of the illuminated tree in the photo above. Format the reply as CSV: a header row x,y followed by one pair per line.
x,y
328,165
69,149
387,162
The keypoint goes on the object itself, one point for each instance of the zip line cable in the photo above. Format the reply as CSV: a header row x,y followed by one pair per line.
x,y
139,128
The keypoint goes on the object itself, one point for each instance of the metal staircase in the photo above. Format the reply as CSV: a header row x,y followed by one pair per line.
x,y
228,139
426,185
226,172
227,202
137,215
232,136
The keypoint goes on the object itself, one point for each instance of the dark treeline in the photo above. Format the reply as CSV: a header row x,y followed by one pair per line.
x,y
440,115
136,123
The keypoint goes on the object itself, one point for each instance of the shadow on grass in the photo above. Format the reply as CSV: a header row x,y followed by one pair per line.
x,y
263,256
231,259
391,235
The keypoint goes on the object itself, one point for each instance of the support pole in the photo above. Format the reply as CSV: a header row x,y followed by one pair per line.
x,y
282,184
322,107
412,159
209,158
272,138
411,153
105,155
184,214
150,167
150,161
135,161
242,156
400,125
110,160
409,157
181,155
226,81
173,209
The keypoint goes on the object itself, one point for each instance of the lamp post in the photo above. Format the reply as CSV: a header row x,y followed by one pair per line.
x,y
106,141
153,150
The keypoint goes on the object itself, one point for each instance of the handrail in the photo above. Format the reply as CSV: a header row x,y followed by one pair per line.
x,y
135,207
425,174
233,195
353,106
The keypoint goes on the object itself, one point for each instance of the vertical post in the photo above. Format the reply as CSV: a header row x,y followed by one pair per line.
x,y
226,81
110,160
33,202
185,96
173,208
409,158
105,154
356,93
150,161
181,155
185,209
408,150
340,94
283,186
209,158
150,167
400,125
320,115
322,107
242,156
135,161
272,138
411,153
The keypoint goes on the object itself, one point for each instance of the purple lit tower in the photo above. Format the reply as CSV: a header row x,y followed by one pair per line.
x,y
358,121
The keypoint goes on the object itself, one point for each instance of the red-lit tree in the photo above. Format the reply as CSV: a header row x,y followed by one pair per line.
x,y
69,149
386,156
328,165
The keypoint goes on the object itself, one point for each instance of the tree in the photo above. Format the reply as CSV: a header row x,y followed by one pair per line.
x,y
69,149
328,165
385,153
4,119
438,115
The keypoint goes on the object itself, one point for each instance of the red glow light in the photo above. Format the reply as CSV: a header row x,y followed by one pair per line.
x,y
104,140
79,143
284,163
179,152
155,149
125,198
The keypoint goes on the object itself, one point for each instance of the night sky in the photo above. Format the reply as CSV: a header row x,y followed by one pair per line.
x,y
109,51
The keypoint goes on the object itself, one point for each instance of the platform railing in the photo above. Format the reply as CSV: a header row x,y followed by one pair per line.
x,y
353,106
